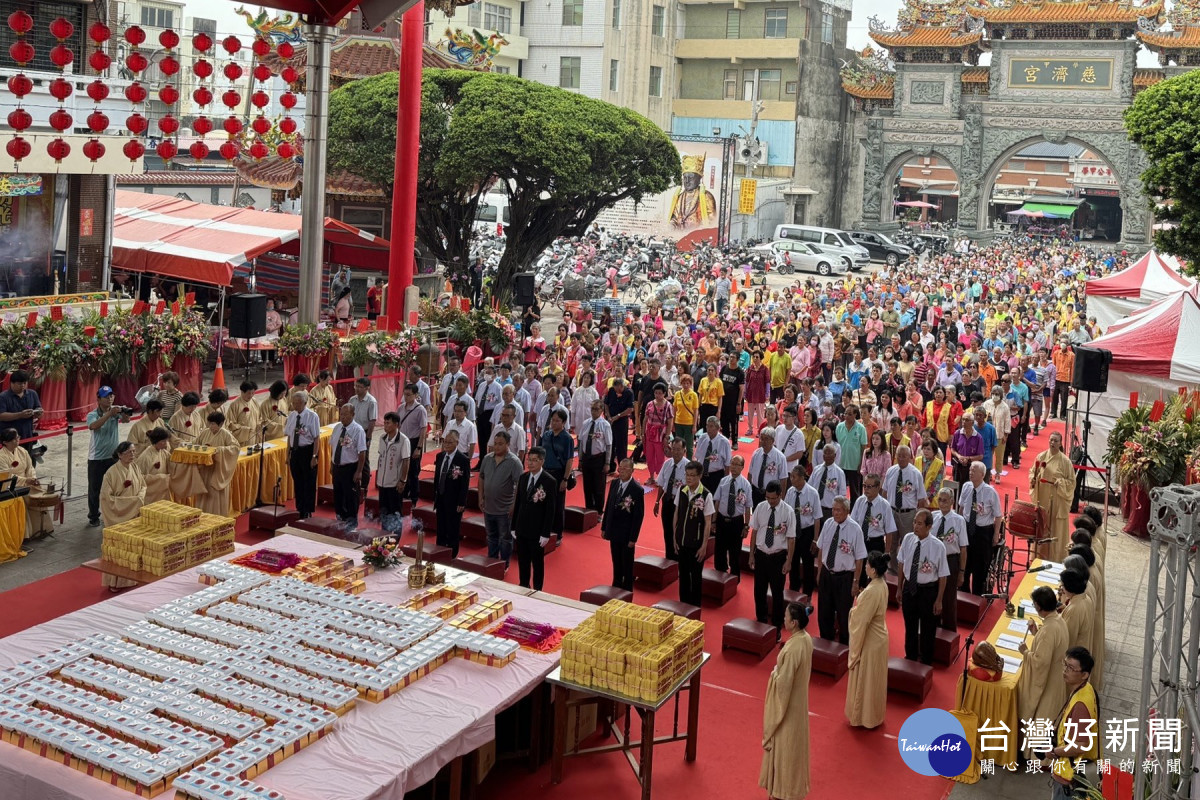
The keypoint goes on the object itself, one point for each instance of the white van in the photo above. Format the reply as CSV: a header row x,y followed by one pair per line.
x,y
831,240
492,210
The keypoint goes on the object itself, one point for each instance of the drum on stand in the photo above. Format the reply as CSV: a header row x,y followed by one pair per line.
x,y
1025,521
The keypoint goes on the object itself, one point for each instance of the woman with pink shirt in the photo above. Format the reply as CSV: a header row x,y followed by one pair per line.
x,y
874,326
758,389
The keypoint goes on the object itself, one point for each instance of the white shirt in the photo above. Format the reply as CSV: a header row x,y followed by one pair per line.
x,y
790,442
600,433
742,501
875,516
985,499
488,396
525,399
715,454
424,396
851,546
447,385
518,412
448,409
776,468
467,435
310,427
353,440
806,503
832,482
953,534
785,526
543,415
516,442
912,486
677,479
933,558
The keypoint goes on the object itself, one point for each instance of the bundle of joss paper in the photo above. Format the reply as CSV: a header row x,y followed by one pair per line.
x,y
525,632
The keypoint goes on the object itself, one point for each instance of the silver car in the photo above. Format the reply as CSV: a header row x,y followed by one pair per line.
x,y
803,257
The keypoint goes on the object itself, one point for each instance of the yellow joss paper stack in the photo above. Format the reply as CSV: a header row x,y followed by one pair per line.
x,y
167,537
170,517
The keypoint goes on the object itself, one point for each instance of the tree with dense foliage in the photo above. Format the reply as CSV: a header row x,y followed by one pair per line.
x,y
1164,121
560,157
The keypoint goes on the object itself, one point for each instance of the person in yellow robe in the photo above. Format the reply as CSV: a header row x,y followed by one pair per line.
x,y
155,465
323,399
1041,690
218,477
1078,557
242,416
1051,486
122,495
784,772
15,459
140,430
866,691
186,423
1078,599
274,409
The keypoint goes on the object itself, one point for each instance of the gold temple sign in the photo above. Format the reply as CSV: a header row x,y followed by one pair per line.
x,y
1053,73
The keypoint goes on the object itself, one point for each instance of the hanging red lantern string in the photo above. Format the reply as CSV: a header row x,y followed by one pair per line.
x,y
231,98
202,95
60,89
287,101
22,52
259,147
168,93
97,90
136,93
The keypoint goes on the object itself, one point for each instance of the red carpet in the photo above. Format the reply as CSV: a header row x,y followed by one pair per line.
x,y
731,708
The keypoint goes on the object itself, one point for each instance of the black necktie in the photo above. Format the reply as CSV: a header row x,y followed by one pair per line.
x,y
587,439
337,450
862,523
833,547
729,497
818,483
941,531
971,511
446,459
913,569
771,529
296,431
671,481
898,491
762,469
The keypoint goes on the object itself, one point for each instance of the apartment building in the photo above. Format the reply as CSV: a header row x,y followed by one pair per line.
x,y
489,18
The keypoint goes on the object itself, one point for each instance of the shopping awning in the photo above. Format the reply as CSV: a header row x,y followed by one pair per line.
x,y
1054,210
204,243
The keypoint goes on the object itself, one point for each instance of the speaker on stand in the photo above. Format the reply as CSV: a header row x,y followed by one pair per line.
x,y
1090,375
247,320
524,293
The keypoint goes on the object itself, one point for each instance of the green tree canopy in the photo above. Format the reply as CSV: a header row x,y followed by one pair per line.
x,y
1164,121
560,157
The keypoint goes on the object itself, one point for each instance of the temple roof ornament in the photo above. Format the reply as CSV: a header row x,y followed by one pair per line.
x,y
928,23
1184,17
1064,11
870,77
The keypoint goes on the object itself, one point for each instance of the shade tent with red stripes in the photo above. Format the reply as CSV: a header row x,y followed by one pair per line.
x,y
204,243
1152,277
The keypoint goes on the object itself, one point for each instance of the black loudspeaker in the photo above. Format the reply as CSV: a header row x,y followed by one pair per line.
x,y
1091,369
247,316
523,291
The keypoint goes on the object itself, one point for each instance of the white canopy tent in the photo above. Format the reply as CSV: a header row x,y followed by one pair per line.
x,y
1152,277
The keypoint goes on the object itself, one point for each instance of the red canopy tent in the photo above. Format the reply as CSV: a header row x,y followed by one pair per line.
x,y
205,243
1149,279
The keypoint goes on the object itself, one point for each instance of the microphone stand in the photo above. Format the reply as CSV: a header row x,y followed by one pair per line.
x,y
262,451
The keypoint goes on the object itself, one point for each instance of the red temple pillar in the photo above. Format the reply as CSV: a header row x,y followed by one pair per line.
x,y
402,260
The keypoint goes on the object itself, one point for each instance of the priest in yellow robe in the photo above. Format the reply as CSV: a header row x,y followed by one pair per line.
x,y
1079,609
784,773
186,423
155,465
15,459
1051,486
1041,689
242,416
866,691
323,399
218,476
274,410
122,495
140,430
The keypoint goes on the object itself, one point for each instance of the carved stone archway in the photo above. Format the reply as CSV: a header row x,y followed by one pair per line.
x,y
895,156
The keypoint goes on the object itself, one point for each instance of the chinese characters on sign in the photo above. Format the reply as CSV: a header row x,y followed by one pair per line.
x,y
1037,73
747,194
1164,739
86,218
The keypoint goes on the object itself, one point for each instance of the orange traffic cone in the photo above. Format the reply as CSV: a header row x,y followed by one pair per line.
x,y
614,291
703,287
733,289
218,381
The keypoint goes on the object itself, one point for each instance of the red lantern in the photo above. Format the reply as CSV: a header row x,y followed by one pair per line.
x,y
17,147
133,150
168,94
231,98
97,121
285,150
167,150
135,93
93,150
285,50
232,125
202,96
260,124
97,90
230,150
262,72
136,61
289,74
61,55
260,99
233,71
58,150
61,89
231,44
287,125
20,22
259,151
202,126
60,120
202,42
136,124
20,84
169,65
169,39
168,124
98,32
202,68
135,35
20,119
199,151
287,100
261,47
21,52
99,61
61,29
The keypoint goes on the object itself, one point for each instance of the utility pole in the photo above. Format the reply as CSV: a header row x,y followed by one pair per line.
x,y
751,151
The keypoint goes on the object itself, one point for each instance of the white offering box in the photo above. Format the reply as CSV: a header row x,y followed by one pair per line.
x,y
165,640
343,644
294,683
250,617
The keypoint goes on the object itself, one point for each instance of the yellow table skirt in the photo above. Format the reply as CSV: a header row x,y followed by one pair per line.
x,y
12,529
244,487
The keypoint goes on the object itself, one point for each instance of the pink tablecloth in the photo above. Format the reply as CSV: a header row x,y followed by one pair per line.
x,y
377,751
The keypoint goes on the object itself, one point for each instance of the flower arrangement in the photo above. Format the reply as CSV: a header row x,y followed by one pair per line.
x,y
483,324
306,340
381,553
388,350
1154,448
59,346
437,315
122,335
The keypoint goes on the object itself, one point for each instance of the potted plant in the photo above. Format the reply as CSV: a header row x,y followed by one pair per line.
x,y
59,346
1151,448
306,349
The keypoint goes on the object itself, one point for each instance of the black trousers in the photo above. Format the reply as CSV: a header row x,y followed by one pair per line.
x,y
667,514
345,491
728,555
804,563
854,481
1012,445
593,469
712,480
1060,398
620,447
560,504
449,523
622,561
979,558
769,574
412,487
757,495
484,426
366,475
920,625
729,423
833,609
876,544
304,477
690,567
96,469
390,500
531,561
705,411
949,618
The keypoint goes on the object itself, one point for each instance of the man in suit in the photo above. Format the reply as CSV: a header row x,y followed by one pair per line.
x,y
533,512
622,521
451,478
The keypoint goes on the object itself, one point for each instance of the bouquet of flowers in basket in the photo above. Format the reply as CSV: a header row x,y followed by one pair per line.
x,y
397,350
17,348
381,553
188,334
59,345
306,340
120,336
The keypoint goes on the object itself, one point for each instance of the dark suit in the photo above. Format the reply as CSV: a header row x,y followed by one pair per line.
x,y
449,495
531,521
621,527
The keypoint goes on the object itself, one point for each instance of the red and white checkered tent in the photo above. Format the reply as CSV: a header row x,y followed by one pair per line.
x,y
204,243
1152,277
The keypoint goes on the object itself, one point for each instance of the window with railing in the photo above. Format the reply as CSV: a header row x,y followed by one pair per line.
x,y
658,21
616,15
40,36
733,24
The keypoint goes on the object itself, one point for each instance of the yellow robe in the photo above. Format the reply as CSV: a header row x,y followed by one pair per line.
x,y
267,412
866,691
784,772
323,400
140,431
218,478
1041,690
38,521
1079,615
155,466
1054,499
1097,646
242,420
185,426
120,502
